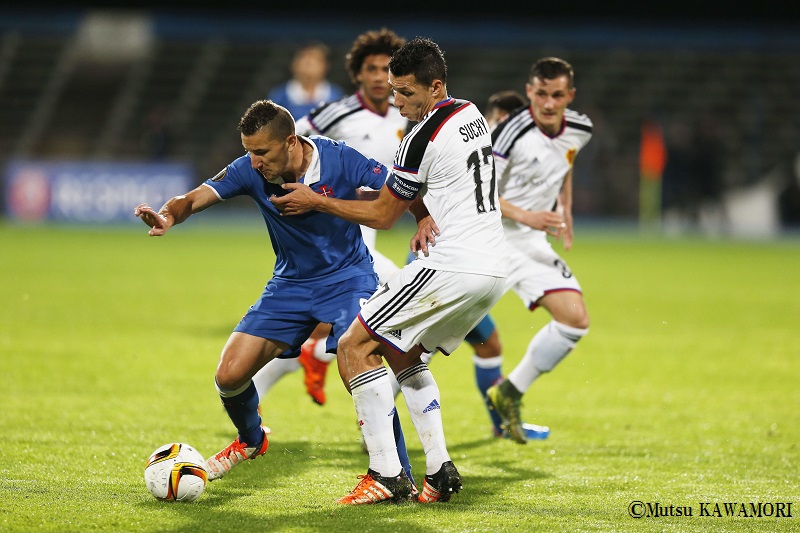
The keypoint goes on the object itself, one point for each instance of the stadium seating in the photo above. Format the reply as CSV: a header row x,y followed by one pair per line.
x,y
56,105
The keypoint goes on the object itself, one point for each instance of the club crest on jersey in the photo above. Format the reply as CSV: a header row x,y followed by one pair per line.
x,y
378,169
221,175
571,155
325,190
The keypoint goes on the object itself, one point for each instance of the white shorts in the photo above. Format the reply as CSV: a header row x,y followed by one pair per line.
x,y
536,269
431,308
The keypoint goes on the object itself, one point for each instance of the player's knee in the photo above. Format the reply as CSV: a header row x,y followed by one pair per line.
x,y
575,316
227,378
233,373
346,343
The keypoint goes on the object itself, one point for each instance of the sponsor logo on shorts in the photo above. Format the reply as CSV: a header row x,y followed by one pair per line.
x,y
396,333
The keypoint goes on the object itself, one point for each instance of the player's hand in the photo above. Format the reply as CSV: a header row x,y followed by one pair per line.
x,y
426,234
550,222
158,223
300,199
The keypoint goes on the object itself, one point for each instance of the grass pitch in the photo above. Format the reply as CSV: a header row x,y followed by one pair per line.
x,y
684,394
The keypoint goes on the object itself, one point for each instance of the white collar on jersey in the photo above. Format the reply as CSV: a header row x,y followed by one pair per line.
x,y
312,172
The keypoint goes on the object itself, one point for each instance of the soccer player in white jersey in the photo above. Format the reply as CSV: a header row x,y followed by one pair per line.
x,y
443,172
484,338
534,149
368,122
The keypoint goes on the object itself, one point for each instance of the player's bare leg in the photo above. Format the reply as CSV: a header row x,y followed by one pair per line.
x,y
242,356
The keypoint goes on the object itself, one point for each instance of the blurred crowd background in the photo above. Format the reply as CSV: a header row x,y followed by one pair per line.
x,y
697,125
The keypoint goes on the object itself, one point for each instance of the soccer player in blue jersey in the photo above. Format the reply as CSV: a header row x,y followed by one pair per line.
x,y
367,121
309,85
320,258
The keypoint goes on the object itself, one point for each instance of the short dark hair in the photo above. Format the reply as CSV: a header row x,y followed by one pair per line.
x,y
323,48
267,114
421,57
506,101
550,68
383,41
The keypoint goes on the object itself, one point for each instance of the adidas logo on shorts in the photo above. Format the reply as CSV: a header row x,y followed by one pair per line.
x,y
396,334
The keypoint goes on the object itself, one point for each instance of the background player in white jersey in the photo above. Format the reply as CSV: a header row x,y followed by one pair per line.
x,y
443,171
534,149
484,338
368,122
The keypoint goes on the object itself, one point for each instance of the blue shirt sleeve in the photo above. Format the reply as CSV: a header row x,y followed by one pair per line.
x,y
368,172
229,183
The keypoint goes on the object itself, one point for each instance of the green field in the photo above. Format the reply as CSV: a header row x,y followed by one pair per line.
x,y
686,390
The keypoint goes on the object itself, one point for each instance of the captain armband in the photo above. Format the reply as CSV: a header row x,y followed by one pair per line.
x,y
403,189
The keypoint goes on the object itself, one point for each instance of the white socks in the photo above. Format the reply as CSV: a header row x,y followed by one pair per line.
x,y
372,397
547,348
422,398
272,372
319,351
488,362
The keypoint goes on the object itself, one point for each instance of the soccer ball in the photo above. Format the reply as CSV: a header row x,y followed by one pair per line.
x,y
176,472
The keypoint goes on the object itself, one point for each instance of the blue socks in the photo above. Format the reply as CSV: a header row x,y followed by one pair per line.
x,y
242,408
485,378
400,441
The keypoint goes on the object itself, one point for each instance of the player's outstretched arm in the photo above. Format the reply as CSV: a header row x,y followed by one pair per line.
x,y
175,210
380,213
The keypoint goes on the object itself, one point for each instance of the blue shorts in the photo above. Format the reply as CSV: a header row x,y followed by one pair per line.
x,y
288,311
481,332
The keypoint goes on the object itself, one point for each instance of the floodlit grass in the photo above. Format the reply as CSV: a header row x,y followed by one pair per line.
x,y
685,391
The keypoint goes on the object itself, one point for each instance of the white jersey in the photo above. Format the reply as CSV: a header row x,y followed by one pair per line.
x,y
350,120
374,135
447,160
530,164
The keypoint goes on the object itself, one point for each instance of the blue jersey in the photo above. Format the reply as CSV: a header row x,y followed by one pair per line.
x,y
297,101
314,247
